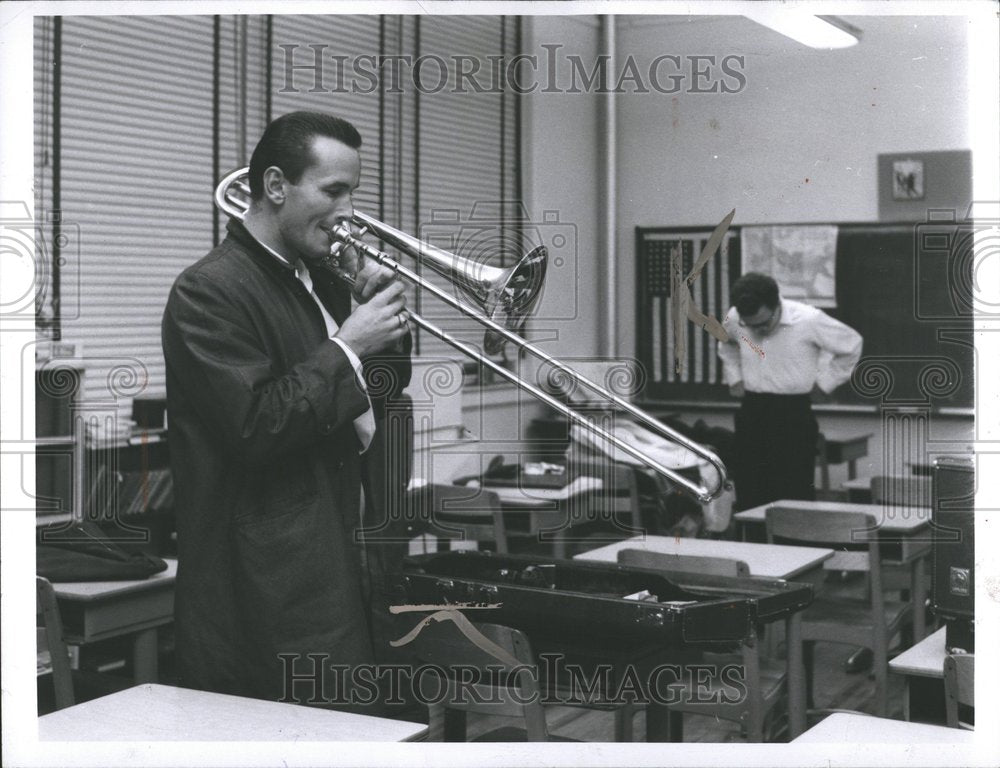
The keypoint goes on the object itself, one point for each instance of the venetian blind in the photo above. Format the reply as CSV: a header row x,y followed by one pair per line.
x,y
152,110
136,152
466,179
44,61
241,94
341,36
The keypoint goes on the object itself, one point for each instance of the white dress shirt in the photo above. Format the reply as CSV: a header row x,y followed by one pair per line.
x,y
806,348
364,425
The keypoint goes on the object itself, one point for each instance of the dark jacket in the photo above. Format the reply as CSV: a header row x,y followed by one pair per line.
x,y
267,473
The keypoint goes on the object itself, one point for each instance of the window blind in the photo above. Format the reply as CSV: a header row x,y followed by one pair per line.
x,y
349,36
241,94
152,111
136,145
46,281
465,174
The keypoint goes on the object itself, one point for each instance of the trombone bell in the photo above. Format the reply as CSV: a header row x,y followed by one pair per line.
x,y
506,296
513,298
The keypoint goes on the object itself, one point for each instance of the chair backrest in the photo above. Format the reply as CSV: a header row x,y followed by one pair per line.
x,y
854,534
476,681
903,490
619,494
959,688
47,617
461,512
709,566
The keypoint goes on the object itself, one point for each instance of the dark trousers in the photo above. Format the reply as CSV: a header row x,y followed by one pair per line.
x,y
775,449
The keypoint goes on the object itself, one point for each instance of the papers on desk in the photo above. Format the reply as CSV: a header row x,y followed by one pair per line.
x,y
532,496
416,483
643,595
653,445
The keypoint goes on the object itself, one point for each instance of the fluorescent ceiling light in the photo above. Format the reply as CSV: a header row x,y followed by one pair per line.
x,y
814,31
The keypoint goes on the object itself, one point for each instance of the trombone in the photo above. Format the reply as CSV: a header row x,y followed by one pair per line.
x,y
504,297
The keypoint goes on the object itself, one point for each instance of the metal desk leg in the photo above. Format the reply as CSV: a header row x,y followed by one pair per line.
x,y
795,674
917,598
823,462
144,656
659,720
906,698
623,724
559,546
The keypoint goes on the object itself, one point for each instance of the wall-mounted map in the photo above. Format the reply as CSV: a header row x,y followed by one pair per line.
x,y
802,259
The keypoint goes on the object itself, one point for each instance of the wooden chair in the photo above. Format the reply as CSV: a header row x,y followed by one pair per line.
x,y
461,513
48,619
959,688
903,491
871,621
476,681
764,680
70,686
612,513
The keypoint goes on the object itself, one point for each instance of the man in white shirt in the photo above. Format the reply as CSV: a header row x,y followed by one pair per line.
x,y
779,353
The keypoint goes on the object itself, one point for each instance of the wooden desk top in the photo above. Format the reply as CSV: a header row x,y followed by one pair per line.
x,y
846,728
163,713
101,590
836,436
858,484
909,519
776,561
544,497
925,659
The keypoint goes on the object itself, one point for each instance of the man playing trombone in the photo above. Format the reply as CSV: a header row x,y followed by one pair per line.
x,y
273,432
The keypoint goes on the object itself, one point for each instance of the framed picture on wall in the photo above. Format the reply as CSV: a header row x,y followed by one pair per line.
x,y
908,180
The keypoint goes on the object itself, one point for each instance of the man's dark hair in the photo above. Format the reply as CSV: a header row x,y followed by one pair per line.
x,y
753,291
287,144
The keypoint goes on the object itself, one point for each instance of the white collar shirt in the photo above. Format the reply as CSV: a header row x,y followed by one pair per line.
x,y
807,348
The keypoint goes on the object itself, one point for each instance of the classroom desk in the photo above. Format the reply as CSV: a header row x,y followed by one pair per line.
x,y
859,490
549,511
163,713
920,467
845,728
905,527
98,610
922,668
836,448
774,561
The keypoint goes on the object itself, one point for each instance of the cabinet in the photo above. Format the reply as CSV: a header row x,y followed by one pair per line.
x,y
58,461
123,485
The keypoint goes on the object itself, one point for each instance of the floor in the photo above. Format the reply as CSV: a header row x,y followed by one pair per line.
x,y
834,688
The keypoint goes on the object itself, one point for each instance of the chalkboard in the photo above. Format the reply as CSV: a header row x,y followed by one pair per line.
x,y
907,288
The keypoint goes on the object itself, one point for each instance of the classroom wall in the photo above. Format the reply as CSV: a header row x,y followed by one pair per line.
x,y
563,135
798,143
